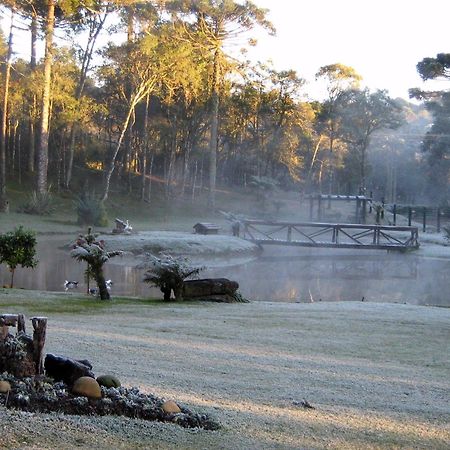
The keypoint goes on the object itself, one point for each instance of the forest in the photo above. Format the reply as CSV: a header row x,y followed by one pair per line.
x,y
151,98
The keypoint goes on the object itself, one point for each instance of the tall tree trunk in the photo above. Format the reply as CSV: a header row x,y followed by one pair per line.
x,y
142,91
42,182
32,112
144,150
214,132
87,58
7,75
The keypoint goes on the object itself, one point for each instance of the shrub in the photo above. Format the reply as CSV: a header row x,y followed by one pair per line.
x,y
168,273
38,204
18,247
91,211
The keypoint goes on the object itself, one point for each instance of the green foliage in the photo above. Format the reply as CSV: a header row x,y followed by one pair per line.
x,y
40,204
92,251
18,247
168,273
91,211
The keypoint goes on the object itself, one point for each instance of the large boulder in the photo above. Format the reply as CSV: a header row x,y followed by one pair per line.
x,y
87,387
109,381
5,387
209,286
212,289
61,368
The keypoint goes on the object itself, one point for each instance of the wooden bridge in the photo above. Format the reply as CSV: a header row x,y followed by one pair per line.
x,y
305,234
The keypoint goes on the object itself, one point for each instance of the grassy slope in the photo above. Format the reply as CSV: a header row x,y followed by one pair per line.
x,y
174,215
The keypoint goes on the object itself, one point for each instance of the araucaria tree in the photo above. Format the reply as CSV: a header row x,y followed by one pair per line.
x,y
93,252
436,144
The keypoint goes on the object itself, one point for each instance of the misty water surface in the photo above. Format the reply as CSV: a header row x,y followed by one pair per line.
x,y
279,274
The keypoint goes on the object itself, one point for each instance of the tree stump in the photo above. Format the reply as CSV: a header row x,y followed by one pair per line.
x,y
21,355
40,328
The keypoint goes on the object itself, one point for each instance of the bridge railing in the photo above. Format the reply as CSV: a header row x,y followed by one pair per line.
x,y
316,234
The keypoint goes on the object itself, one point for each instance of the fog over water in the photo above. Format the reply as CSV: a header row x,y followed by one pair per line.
x,y
279,274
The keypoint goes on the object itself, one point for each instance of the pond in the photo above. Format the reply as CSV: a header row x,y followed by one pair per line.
x,y
279,274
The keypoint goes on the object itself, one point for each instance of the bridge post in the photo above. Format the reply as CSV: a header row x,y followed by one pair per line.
x,y
409,216
424,219
438,220
289,233
319,207
395,214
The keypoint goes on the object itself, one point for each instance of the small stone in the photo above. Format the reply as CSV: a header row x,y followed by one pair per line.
x,y
109,381
87,387
170,407
5,387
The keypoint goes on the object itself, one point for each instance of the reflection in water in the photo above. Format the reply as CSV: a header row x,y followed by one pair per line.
x,y
284,274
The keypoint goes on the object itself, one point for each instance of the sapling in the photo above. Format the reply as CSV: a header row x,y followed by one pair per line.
x,y
18,247
92,251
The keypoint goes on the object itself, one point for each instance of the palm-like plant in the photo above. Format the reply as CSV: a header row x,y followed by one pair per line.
x,y
93,252
168,273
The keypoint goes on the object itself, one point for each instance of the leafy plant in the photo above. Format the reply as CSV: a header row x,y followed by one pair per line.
x,y
263,188
93,252
18,247
447,233
168,273
38,204
91,210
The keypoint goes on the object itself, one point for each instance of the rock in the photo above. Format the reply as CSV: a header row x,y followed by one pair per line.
x,y
170,407
209,286
87,387
108,381
61,368
5,387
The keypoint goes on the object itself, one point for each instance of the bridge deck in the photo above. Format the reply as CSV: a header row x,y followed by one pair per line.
x,y
306,234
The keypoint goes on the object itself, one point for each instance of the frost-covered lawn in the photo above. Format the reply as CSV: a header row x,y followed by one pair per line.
x,y
179,243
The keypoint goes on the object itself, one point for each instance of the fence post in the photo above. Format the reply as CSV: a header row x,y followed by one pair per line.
x,y
409,216
438,220
424,219
319,207
311,205
395,214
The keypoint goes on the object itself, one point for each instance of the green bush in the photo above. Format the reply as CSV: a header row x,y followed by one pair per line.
x,y
18,247
38,204
91,211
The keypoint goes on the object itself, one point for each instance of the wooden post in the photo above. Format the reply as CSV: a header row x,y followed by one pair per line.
x,y
289,233
6,321
311,206
395,214
409,216
21,323
319,207
438,220
39,327
424,219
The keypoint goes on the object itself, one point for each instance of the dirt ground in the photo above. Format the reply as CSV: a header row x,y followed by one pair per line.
x,y
377,376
